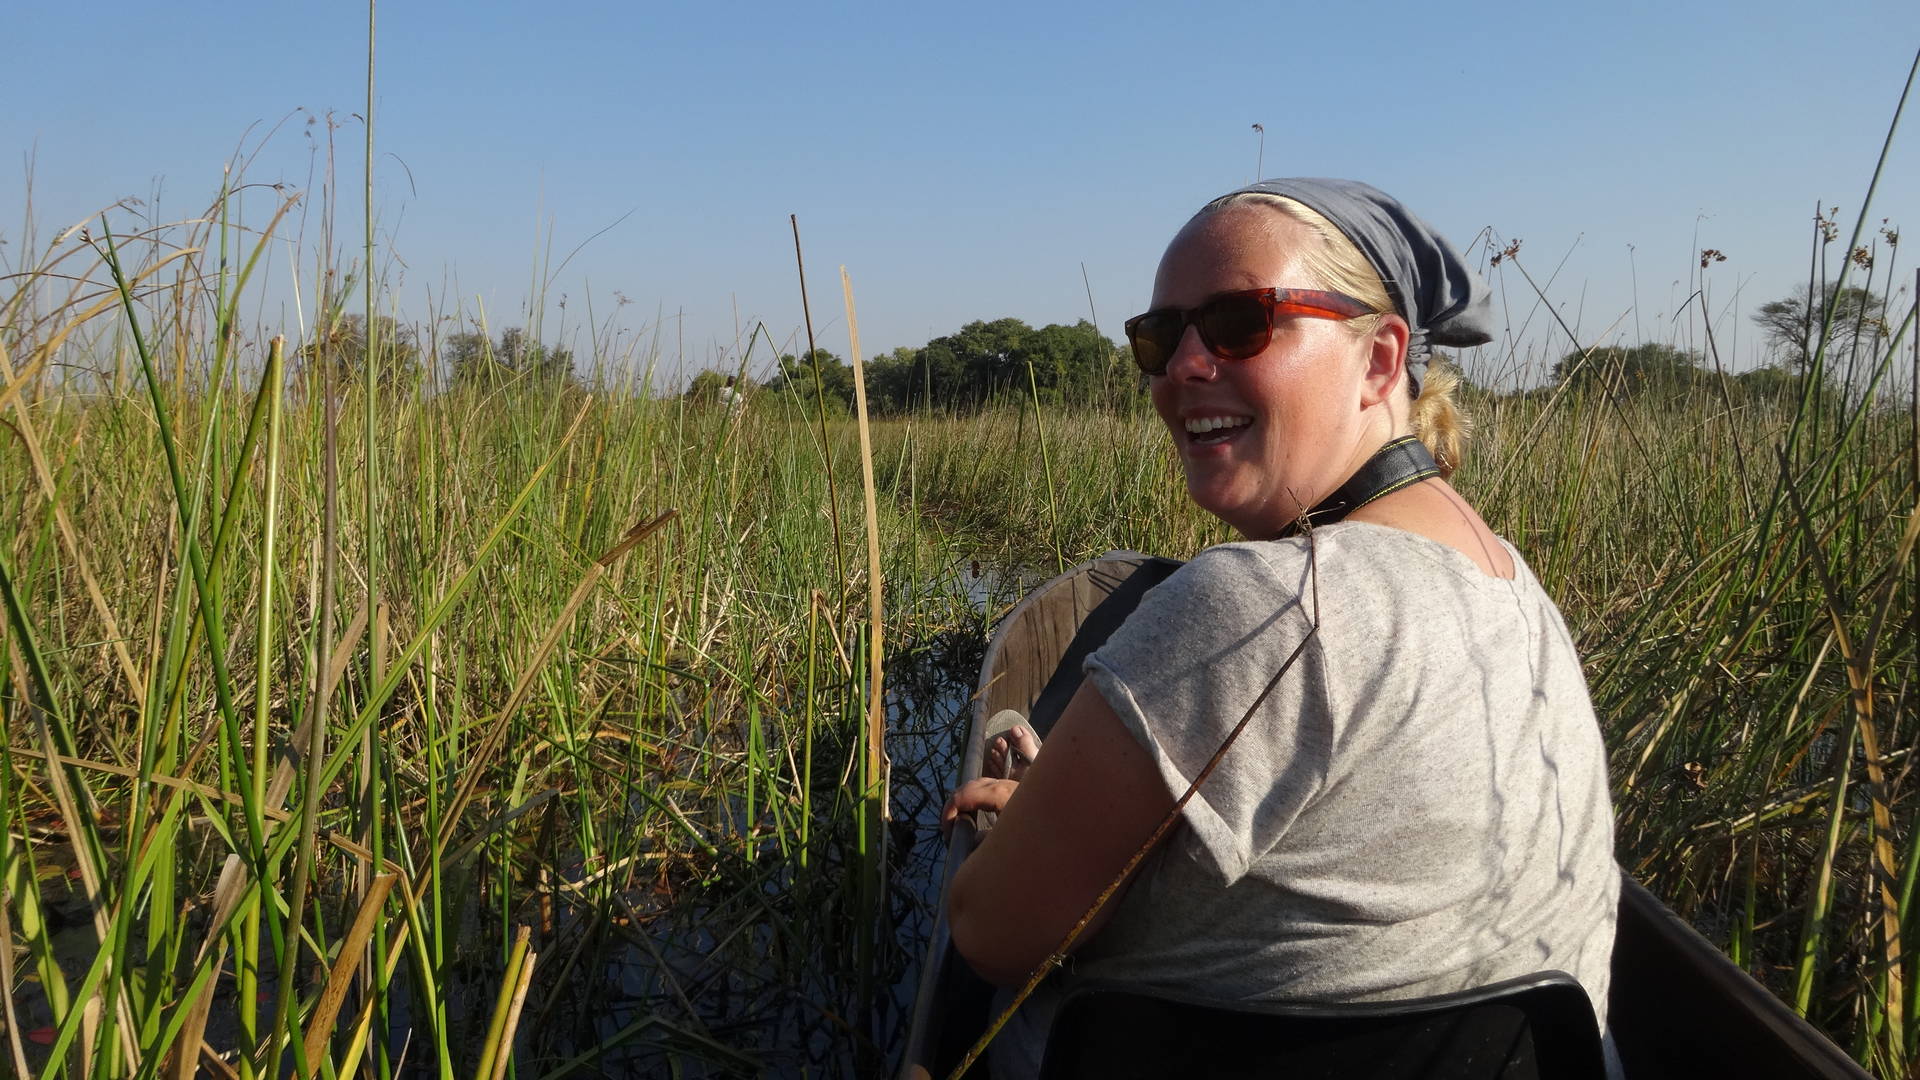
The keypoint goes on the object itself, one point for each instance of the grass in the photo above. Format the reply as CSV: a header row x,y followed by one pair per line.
x,y
610,690
527,732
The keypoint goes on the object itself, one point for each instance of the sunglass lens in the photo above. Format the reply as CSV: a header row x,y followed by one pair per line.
x,y
1154,336
1235,327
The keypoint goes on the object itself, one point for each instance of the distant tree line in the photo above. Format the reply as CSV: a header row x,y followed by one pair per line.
x,y
985,362
466,358
472,358
1656,372
1852,321
980,363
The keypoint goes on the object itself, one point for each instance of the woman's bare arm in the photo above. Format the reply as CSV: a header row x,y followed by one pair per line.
x,y
1086,805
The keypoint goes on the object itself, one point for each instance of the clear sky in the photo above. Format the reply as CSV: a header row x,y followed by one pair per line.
x,y
963,160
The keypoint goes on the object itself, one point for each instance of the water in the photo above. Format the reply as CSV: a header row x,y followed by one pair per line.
x,y
795,1002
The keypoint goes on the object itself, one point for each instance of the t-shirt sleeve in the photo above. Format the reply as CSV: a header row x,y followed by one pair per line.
x,y
1198,653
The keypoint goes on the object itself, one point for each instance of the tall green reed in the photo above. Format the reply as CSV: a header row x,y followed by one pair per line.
x,y
559,724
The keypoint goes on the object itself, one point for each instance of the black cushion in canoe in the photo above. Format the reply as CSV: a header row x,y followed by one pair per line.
x,y
1538,1026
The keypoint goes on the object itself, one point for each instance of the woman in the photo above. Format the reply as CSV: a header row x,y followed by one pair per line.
x,y
1418,803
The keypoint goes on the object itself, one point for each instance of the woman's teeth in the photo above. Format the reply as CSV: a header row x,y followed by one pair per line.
x,y
1201,425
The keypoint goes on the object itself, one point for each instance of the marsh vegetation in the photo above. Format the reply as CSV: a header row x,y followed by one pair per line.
x,y
471,713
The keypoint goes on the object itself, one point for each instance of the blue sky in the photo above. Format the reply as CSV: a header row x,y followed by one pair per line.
x,y
963,161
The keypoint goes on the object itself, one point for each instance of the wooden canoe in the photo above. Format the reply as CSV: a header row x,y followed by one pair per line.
x,y
1678,1007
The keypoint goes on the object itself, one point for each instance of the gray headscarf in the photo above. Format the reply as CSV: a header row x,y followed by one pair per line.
x,y
1442,299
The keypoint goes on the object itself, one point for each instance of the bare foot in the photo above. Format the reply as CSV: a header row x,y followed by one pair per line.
x,y
1009,753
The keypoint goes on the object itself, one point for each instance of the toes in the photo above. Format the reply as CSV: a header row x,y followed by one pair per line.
x,y
996,764
1010,749
1025,742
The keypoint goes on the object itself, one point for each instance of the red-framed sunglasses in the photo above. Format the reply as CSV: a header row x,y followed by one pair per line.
x,y
1233,326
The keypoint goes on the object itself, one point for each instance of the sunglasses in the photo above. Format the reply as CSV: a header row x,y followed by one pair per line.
x,y
1233,326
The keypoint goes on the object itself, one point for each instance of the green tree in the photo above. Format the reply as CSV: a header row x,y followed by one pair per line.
x,y
828,383
1795,325
891,380
525,356
707,386
472,359
1631,370
986,360
1077,364
976,364
1764,386
343,346
469,357
993,355
940,378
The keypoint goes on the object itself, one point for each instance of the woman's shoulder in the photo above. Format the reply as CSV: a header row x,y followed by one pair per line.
x,y
1223,598
1340,553
1239,561
1397,559
1260,574
1369,578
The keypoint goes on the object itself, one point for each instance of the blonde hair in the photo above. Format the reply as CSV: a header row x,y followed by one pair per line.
x,y
1335,263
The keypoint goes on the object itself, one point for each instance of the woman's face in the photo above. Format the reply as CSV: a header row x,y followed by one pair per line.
x,y
1264,439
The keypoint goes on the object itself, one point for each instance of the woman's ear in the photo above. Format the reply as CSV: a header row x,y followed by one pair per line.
x,y
1386,371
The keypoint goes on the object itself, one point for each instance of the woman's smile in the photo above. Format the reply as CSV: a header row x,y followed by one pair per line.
x,y
1216,429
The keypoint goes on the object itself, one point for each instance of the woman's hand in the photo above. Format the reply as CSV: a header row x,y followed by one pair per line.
x,y
981,794
1085,807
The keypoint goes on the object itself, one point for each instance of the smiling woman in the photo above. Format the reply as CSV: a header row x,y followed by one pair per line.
x,y
1418,805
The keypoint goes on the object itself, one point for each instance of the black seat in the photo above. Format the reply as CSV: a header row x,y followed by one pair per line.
x,y
1537,1026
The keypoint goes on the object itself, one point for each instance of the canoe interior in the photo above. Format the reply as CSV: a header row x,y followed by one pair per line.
x,y
1033,662
1678,1007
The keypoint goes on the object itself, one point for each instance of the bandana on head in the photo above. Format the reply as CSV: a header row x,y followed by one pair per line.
x,y
1442,299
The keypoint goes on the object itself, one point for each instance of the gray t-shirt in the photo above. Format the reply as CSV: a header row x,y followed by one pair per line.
x,y
1419,807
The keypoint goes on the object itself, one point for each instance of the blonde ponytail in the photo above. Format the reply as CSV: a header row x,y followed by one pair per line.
x,y
1437,420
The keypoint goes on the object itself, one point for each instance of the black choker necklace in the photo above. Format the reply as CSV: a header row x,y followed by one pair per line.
x,y
1400,463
